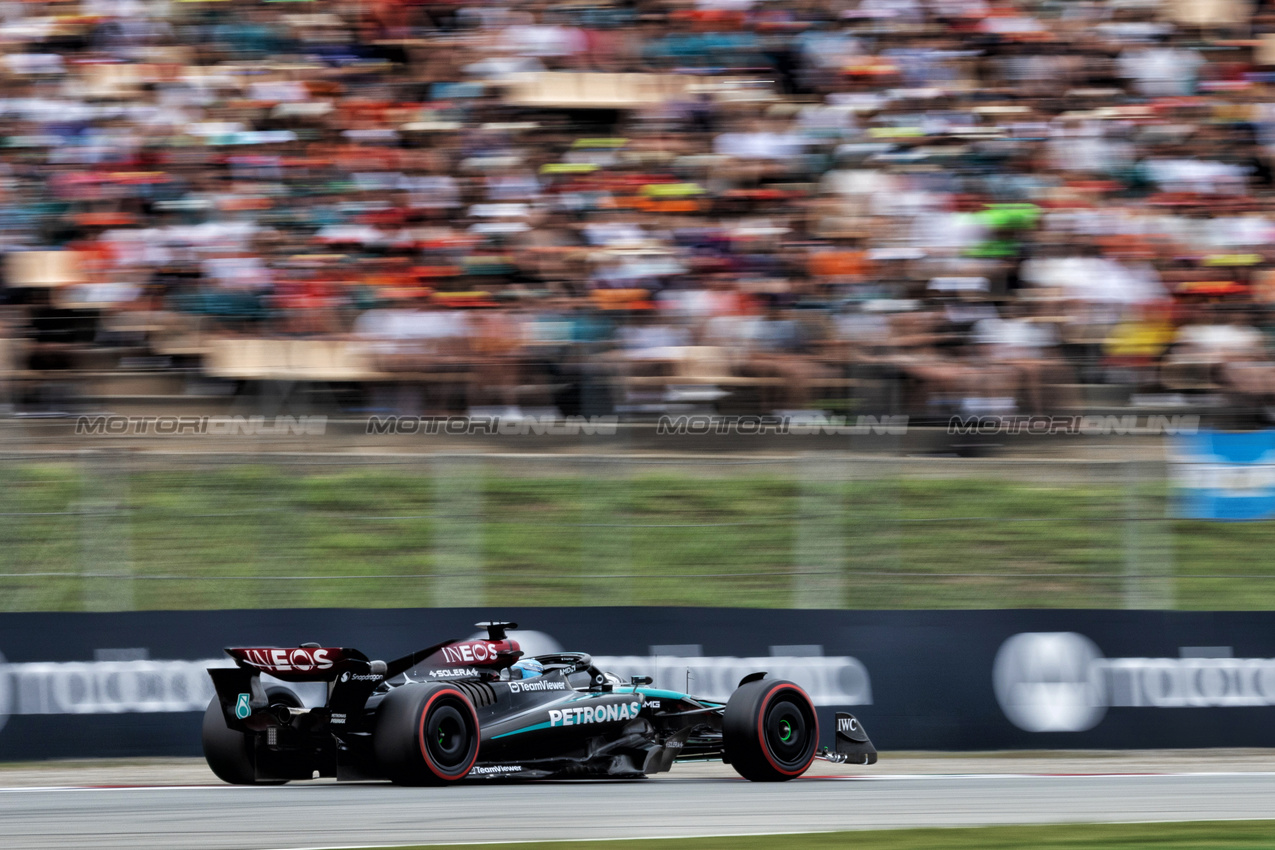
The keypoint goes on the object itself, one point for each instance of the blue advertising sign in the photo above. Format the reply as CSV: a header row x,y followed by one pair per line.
x,y
1229,476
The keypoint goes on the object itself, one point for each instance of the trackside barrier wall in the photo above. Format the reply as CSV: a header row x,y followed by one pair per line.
x,y
133,684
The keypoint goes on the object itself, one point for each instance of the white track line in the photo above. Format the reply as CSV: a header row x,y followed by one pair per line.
x,y
753,834
892,777
561,840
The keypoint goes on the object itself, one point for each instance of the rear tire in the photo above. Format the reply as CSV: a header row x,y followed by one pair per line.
x,y
231,753
426,734
769,731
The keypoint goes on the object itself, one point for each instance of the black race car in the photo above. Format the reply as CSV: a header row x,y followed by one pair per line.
x,y
453,711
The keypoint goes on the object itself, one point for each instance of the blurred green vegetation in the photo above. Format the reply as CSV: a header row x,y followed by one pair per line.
x,y
1201,835
213,534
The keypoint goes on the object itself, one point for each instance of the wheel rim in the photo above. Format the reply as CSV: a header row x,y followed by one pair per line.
x,y
788,733
446,737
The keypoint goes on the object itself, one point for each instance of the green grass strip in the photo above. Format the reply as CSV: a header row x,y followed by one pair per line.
x,y
1204,835
174,534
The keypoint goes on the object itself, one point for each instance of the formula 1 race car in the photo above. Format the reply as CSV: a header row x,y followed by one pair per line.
x,y
457,710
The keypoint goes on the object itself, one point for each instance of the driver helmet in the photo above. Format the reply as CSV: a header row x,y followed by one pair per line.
x,y
526,668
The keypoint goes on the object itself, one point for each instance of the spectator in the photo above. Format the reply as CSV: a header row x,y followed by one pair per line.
x,y
441,186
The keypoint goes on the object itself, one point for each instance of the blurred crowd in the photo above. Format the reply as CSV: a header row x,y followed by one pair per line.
x,y
921,206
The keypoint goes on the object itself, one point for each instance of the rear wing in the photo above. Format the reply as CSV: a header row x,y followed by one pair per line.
x,y
351,677
309,663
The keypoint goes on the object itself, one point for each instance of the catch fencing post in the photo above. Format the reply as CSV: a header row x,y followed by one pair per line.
x,y
105,531
1148,545
457,539
819,546
606,533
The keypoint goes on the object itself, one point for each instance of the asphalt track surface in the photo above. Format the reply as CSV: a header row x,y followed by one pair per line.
x,y
330,815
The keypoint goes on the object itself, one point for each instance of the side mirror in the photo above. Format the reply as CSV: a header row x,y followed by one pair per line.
x,y
641,680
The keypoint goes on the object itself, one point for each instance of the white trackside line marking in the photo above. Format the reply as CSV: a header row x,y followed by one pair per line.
x,y
499,843
889,777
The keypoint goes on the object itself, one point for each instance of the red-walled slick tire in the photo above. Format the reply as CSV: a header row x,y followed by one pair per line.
x,y
769,731
426,734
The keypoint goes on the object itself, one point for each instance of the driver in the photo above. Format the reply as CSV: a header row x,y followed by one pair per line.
x,y
526,668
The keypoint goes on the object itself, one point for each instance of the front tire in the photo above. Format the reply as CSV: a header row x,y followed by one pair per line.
x,y
769,731
426,734
230,753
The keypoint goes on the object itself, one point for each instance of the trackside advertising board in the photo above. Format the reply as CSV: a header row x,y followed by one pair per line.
x,y
1225,476
134,684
